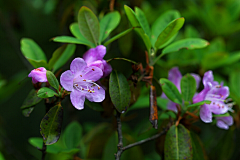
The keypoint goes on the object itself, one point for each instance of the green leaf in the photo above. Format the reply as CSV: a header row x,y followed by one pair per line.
x,y
38,63
89,25
68,39
235,85
197,146
61,56
221,115
188,43
161,23
188,87
110,148
72,135
119,91
29,103
52,80
143,21
51,124
135,23
199,104
178,143
171,91
31,50
191,32
108,23
171,30
45,92
93,105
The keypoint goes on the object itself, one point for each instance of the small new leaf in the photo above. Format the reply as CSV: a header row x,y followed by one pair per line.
x,y
45,92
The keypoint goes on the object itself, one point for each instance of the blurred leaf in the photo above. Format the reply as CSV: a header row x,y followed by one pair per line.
x,y
199,104
51,124
29,103
72,135
157,86
171,91
32,51
197,146
93,105
188,43
52,80
110,147
178,143
89,25
171,30
108,23
45,92
135,23
162,22
61,56
125,44
235,85
188,87
191,32
38,63
119,91
1,156
143,21
68,39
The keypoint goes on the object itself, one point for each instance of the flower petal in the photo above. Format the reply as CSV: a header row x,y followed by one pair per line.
x,y
218,107
94,54
97,96
172,106
197,78
208,77
78,65
97,63
205,114
38,75
92,73
77,99
175,76
222,125
227,120
107,68
66,80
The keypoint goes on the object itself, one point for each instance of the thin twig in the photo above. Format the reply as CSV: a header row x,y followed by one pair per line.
x,y
120,137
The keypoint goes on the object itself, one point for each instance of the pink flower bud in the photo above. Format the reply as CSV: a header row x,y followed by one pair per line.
x,y
38,75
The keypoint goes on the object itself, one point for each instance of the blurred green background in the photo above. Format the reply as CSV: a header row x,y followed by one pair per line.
x,y
217,21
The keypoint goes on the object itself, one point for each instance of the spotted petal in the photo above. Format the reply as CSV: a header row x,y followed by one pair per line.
x,y
66,80
218,107
77,99
92,73
97,96
205,114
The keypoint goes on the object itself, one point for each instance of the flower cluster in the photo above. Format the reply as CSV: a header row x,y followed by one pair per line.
x,y
213,91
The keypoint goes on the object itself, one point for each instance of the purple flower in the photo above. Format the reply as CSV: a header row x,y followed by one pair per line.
x,y
94,57
224,122
175,76
214,92
80,80
38,75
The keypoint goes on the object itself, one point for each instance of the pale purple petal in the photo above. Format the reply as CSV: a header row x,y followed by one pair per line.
x,y
66,80
92,73
218,92
97,63
218,107
78,65
95,54
107,68
175,76
205,114
200,96
34,80
227,120
77,98
97,96
208,77
222,125
172,106
197,79
38,75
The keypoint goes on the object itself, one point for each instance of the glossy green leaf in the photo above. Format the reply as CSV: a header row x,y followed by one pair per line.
x,y
119,91
89,25
143,21
188,43
171,30
52,80
51,124
110,148
38,63
93,105
197,147
188,87
178,144
61,56
108,23
31,50
72,135
68,39
199,104
171,91
74,28
29,103
135,23
45,92
162,22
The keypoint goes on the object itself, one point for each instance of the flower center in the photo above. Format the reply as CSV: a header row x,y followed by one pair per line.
x,y
85,85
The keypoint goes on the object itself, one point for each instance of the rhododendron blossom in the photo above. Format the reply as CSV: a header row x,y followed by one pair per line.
x,y
214,92
175,76
94,57
80,80
224,122
38,75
